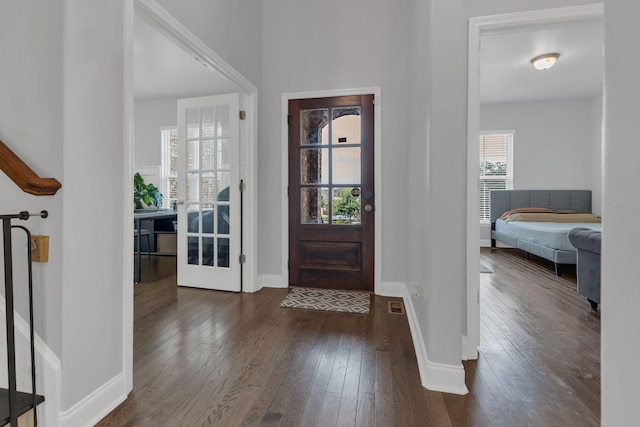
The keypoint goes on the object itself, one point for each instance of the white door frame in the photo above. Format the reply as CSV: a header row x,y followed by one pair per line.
x,y
377,158
170,27
477,27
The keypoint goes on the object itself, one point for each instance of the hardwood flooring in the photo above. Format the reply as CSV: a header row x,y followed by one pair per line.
x,y
205,358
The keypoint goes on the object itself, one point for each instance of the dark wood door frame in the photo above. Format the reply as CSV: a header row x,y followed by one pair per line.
x,y
327,255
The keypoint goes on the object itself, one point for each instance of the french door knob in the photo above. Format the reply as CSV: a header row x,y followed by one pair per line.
x,y
368,208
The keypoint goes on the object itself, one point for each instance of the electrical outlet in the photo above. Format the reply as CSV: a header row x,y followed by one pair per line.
x,y
41,251
415,290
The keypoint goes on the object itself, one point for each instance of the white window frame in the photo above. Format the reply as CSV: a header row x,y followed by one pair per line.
x,y
165,167
508,178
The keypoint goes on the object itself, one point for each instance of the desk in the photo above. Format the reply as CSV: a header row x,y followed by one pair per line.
x,y
148,214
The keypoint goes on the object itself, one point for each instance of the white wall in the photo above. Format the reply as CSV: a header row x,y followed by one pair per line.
x,y
231,28
150,116
31,126
620,290
93,150
556,144
334,45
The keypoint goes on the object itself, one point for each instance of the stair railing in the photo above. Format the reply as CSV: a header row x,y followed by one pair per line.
x,y
11,341
24,176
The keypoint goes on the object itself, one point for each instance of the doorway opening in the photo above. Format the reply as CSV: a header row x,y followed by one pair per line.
x,y
509,25
168,30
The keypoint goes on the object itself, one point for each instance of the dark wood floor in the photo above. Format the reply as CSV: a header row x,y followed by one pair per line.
x,y
204,358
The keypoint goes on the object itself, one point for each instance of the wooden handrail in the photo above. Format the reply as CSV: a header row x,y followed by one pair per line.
x,y
24,176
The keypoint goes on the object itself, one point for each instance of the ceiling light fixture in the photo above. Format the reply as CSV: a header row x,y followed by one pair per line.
x,y
546,61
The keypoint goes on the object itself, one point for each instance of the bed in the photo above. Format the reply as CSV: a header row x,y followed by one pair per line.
x,y
548,240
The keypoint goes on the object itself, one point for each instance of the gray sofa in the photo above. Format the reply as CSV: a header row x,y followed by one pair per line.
x,y
588,244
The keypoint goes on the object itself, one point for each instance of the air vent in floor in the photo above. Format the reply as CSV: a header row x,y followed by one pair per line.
x,y
396,307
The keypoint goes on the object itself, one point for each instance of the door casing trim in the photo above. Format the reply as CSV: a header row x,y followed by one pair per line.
x,y
479,26
377,152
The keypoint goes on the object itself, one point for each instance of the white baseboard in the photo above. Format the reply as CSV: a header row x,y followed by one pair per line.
x,y
47,368
391,289
271,281
434,376
485,243
468,353
95,406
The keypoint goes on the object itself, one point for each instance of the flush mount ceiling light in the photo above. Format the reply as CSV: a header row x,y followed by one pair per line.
x,y
546,61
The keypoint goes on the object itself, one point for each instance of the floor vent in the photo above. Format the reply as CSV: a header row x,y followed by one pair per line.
x,y
396,307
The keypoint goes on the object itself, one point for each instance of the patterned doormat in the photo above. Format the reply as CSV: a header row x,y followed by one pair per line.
x,y
327,299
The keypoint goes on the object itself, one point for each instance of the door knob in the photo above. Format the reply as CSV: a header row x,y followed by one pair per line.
x,y
368,208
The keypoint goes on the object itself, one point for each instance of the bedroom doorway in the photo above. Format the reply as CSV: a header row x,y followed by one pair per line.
x,y
512,25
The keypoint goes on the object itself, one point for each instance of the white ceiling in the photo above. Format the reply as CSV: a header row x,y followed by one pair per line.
x,y
506,75
163,70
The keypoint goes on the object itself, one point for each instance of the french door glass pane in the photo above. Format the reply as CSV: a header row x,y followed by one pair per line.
x,y
223,154
208,187
223,124
207,216
223,252
193,187
312,123
208,251
223,219
224,181
193,154
208,122
193,122
193,250
208,154
314,166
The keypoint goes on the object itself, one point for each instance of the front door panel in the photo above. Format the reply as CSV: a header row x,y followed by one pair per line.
x,y
331,199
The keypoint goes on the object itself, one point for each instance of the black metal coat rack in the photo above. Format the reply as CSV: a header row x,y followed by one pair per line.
x,y
8,288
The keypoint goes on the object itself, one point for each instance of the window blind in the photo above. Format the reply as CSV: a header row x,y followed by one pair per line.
x,y
496,168
169,165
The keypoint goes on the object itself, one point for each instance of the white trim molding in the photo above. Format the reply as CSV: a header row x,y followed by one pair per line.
x,y
433,376
95,406
48,377
272,281
479,26
377,154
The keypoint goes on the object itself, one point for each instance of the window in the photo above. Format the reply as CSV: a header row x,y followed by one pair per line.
x,y
169,165
496,167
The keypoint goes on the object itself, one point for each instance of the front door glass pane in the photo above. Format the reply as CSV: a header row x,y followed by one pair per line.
x,y
346,125
346,165
314,205
314,166
346,206
312,123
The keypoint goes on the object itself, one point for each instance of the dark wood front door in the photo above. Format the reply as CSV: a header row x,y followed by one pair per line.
x,y
331,192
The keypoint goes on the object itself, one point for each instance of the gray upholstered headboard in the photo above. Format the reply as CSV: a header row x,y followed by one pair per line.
x,y
504,200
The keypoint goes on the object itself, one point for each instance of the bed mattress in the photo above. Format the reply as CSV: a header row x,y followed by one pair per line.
x,y
554,235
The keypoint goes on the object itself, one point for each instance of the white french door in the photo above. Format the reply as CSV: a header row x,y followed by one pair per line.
x,y
208,192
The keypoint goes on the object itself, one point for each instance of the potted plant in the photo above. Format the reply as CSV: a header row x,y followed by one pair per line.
x,y
145,195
